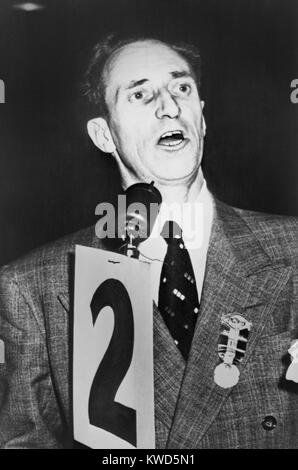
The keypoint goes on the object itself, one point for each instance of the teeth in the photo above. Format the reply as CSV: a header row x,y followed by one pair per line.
x,y
171,133
171,138
172,144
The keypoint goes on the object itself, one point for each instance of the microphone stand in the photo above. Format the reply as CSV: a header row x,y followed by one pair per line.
x,y
130,249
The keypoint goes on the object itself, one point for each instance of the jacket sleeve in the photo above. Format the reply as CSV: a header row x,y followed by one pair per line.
x,y
29,414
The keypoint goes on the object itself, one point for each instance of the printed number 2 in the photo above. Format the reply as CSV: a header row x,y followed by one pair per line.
x,y
104,412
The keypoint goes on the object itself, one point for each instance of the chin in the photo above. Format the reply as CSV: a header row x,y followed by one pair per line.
x,y
175,177
175,169
181,173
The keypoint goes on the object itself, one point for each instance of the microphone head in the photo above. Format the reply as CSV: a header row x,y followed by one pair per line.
x,y
143,202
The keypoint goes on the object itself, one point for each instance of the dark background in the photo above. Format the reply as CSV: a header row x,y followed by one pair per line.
x,y
51,175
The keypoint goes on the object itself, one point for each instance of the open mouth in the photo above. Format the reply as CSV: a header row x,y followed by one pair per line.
x,y
171,139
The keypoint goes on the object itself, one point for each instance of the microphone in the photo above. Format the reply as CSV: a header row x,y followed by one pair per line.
x,y
143,202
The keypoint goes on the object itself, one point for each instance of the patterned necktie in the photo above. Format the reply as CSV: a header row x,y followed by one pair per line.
x,y
178,297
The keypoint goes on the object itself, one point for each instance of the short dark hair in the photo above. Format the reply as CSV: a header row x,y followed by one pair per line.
x,y
94,84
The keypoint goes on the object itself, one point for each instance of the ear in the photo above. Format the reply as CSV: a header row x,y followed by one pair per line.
x,y
100,134
204,127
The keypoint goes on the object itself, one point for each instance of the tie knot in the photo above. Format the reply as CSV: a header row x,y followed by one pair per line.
x,y
171,231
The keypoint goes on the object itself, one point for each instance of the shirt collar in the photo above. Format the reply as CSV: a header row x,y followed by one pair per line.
x,y
195,220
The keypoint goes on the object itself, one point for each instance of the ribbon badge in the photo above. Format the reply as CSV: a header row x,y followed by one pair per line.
x,y
292,372
233,339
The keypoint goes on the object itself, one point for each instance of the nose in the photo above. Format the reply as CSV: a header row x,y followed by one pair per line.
x,y
167,106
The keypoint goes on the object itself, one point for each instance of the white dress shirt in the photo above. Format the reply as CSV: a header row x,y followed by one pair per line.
x,y
195,220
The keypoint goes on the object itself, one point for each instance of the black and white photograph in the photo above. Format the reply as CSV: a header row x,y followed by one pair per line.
x,y
149,226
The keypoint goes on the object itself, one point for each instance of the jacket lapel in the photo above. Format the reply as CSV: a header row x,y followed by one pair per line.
x,y
240,278
169,367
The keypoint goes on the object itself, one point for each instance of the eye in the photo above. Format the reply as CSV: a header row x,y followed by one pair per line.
x,y
184,88
139,95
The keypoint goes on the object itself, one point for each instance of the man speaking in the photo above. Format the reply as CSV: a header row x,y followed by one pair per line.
x,y
225,313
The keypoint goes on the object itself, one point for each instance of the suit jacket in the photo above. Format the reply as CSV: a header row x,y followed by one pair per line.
x,y
252,269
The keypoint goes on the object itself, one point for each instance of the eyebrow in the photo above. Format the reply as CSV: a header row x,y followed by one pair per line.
x,y
175,74
183,73
135,83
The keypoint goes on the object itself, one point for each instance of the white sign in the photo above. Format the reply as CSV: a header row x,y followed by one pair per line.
x,y
113,392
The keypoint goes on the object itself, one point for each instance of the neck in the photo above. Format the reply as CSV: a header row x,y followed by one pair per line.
x,y
182,192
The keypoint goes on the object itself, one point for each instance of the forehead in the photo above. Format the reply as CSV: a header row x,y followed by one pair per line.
x,y
151,60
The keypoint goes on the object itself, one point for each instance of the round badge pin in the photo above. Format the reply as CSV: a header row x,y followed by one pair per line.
x,y
226,375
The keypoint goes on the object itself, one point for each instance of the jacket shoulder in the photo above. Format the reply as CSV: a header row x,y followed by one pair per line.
x,y
270,220
50,261
278,234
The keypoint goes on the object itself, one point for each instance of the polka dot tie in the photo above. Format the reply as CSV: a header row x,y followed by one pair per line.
x,y
178,296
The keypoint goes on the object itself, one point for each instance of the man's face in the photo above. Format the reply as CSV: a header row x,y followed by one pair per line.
x,y
155,113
